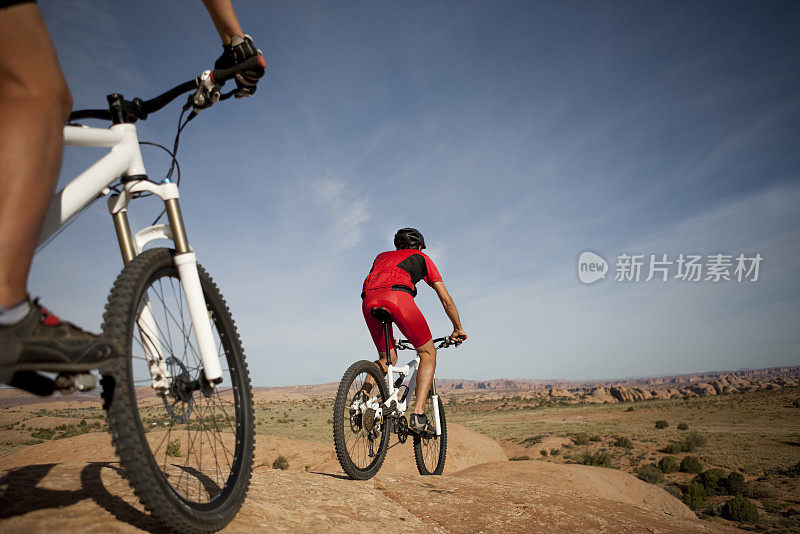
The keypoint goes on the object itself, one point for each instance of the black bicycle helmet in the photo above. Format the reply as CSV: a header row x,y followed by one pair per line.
x,y
408,238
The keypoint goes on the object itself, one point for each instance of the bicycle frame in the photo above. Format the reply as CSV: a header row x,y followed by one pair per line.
x,y
125,161
410,370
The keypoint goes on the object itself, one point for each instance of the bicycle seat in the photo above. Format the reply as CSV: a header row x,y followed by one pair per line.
x,y
382,314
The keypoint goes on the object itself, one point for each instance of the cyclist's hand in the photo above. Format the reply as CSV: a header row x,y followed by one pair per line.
x,y
240,49
458,336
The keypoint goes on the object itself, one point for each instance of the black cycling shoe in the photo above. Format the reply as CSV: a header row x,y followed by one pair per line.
x,y
43,342
419,423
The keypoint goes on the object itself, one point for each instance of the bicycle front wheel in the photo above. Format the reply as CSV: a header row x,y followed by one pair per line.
x,y
186,446
430,452
360,426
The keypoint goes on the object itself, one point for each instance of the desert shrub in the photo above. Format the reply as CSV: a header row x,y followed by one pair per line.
x,y
734,484
650,473
691,464
595,438
675,491
280,463
519,458
599,459
543,452
580,438
629,409
740,509
694,496
555,452
713,480
693,440
42,433
669,464
174,448
673,447
683,426
532,440
624,442
661,424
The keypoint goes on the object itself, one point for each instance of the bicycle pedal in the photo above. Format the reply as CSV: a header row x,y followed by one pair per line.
x,y
33,382
68,383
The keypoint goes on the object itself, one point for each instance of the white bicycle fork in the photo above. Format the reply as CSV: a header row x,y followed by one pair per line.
x,y
123,140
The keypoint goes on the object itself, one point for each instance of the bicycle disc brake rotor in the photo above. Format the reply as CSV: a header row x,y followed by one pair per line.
x,y
179,400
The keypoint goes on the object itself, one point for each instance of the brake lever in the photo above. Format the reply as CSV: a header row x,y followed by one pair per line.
x,y
207,94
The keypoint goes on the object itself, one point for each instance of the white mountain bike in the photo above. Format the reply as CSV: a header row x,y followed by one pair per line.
x,y
370,406
180,405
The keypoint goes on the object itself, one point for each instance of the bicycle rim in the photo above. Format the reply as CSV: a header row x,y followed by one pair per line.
x,y
187,449
430,452
361,437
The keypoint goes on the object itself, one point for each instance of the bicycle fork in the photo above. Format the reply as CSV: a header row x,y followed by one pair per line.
x,y
186,263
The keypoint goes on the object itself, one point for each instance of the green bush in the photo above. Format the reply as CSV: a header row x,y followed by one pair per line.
x,y
713,480
519,458
599,459
543,452
669,464
683,426
650,473
693,440
174,448
734,484
690,443
623,442
694,496
581,438
629,409
661,424
280,463
555,452
595,438
740,509
691,464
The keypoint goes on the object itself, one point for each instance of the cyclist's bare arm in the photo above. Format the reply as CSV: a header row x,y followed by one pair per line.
x,y
224,18
451,310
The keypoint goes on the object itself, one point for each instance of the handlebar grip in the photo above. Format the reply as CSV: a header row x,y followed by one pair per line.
x,y
254,63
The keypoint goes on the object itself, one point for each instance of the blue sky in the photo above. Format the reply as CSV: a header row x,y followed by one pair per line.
x,y
515,135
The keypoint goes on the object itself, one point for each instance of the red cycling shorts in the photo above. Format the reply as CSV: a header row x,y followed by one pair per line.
x,y
405,313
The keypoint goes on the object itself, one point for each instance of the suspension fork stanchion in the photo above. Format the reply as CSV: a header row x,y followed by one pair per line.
x,y
186,262
148,329
435,401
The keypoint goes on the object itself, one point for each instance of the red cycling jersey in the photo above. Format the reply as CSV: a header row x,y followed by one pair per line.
x,y
391,284
400,270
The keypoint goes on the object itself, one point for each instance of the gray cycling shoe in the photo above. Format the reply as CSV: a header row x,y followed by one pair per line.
x,y
43,342
419,423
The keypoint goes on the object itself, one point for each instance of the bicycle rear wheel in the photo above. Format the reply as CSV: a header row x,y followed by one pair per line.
x,y
360,433
430,452
187,450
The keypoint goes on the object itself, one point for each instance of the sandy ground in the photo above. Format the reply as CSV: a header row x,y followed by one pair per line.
x,y
74,484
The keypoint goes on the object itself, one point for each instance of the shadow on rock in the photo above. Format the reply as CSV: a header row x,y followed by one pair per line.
x,y
20,493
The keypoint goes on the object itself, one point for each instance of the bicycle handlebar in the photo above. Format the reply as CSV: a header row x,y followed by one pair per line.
x,y
443,343
140,109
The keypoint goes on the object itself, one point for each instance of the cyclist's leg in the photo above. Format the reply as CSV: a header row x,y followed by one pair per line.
x,y
378,337
412,324
34,104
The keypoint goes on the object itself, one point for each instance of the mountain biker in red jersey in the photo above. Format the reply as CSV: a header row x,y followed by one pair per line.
x,y
35,103
391,284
